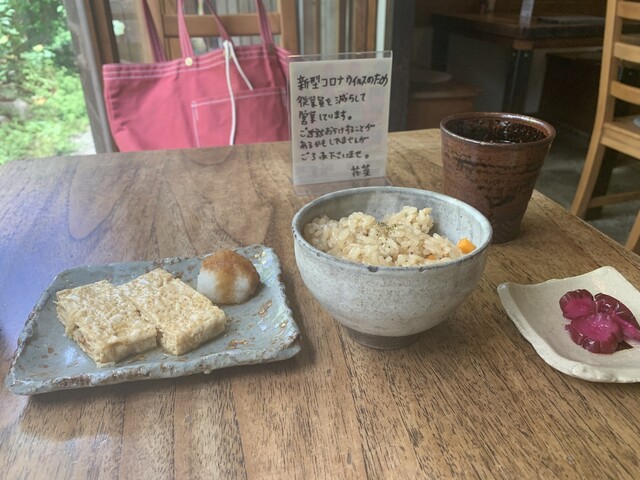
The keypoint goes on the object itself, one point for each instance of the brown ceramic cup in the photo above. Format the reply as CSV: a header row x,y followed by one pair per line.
x,y
492,161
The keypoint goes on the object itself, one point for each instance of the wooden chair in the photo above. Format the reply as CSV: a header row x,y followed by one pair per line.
x,y
283,23
618,133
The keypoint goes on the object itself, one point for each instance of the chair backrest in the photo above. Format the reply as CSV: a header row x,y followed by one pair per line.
x,y
283,22
619,50
615,126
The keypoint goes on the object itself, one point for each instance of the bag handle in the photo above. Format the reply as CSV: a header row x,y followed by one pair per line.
x,y
186,48
265,27
157,47
156,44
185,41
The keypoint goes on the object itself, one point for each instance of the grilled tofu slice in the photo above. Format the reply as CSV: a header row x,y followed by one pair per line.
x,y
104,322
183,317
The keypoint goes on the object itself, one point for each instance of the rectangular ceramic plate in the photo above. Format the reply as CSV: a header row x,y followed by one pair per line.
x,y
258,331
535,310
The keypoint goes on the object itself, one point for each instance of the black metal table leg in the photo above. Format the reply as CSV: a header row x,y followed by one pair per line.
x,y
440,49
515,90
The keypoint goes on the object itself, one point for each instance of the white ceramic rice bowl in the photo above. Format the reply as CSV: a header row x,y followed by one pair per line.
x,y
388,307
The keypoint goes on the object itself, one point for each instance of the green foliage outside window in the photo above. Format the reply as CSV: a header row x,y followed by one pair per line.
x,y
41,97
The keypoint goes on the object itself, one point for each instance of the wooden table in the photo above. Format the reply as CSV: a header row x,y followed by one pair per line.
x,y
521,38
470,399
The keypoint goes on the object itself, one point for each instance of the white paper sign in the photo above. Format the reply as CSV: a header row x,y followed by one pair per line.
x,y
339,118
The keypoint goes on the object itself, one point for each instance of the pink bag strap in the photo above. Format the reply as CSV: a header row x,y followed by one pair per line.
x,y
185,42
183,34
156,44
265,28
263,19
157,47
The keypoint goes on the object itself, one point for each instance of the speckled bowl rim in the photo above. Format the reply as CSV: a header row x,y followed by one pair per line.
x,y
302,242
546,127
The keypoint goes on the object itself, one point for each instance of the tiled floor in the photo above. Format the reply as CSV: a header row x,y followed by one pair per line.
x,y
561,172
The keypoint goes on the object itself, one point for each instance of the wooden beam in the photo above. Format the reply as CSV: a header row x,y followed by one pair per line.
x,y
205,26
359,26
94,45
401,44
372,23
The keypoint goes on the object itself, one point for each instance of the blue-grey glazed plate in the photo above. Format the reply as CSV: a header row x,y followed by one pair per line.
x,y
258,331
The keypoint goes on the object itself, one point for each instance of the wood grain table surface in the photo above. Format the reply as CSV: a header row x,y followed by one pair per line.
x,y
470,399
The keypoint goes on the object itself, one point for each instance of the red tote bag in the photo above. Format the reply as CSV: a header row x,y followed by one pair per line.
x,y
232,95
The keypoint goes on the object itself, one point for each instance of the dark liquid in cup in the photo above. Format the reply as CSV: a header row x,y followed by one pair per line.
x,y
495,131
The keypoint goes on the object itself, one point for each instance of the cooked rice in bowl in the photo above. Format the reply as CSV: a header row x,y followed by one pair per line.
x,y
401,239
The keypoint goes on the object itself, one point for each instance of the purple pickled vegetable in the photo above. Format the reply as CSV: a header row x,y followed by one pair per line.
x,y
596,333
608,303
577,303
600,323
629,330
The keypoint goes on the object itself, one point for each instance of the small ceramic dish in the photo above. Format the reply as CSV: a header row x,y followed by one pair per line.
x,y
535,310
